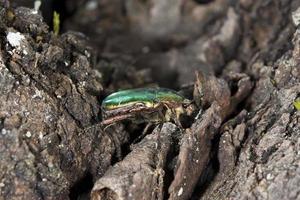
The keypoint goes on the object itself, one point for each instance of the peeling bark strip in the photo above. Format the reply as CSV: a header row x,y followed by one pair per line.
x,y
194,153
195,149
141,174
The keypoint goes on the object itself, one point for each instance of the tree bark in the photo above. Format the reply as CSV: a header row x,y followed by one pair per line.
x,y
237,59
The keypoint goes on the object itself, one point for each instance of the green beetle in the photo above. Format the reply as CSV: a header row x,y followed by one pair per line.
x,y
144,104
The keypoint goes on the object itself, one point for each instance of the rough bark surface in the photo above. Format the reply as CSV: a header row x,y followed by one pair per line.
x,y
239,60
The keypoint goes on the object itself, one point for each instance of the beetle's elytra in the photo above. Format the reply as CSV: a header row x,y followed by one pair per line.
x,y
153,104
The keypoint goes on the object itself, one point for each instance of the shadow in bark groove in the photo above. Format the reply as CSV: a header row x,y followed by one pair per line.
x,y
203,1
82,187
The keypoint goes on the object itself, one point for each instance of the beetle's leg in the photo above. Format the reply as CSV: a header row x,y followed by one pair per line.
x,y
144,133
115,119
146,128
169,112
159,117
177,119
168,115
162,117
178,111
174,114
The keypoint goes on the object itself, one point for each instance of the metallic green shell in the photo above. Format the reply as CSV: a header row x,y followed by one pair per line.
x,y
148,96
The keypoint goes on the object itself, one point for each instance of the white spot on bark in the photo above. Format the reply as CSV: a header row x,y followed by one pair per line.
x,y
15,39
3,131
180,192
28,134
270,176
91,5
41,135
50,165
296,16
38,94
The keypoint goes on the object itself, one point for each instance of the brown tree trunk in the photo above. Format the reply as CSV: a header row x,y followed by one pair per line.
x,y
239,60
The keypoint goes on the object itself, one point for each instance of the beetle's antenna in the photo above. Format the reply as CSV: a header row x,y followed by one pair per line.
x,y
144,133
